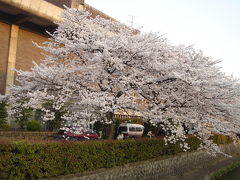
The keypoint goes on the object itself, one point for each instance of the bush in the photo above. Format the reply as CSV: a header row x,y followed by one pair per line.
x,y
130,120
25,160
34,125
5,127
221,139
3,115
23,117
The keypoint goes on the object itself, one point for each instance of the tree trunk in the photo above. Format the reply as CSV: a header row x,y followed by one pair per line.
x,y
110,130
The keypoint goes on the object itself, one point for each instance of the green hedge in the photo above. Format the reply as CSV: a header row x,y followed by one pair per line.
x,y
224,171
34,125
221,139
26,160
3,116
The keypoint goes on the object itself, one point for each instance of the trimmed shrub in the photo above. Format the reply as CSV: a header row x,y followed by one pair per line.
x,y
25,160
3,116
130,120
221,139
34,125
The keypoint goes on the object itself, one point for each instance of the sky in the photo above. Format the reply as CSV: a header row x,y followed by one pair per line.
x,y
212,26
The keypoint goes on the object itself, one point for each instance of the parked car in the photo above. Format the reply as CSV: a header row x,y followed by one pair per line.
x,y
78,134
61,138
131,130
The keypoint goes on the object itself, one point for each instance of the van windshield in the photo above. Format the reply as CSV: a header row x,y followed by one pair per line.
x,y
122,129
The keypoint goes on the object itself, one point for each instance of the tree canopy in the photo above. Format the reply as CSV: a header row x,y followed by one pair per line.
x,y
93,67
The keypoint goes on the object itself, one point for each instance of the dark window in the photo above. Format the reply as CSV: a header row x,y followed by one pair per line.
x,y
132,129
138,129
89,132
60,3
122,129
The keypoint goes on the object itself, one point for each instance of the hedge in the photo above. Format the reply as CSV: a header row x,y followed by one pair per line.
x,y
221,139
28,160
34,125
3,116
224,171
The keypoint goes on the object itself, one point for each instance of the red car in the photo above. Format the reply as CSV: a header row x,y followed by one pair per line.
x,y
77,133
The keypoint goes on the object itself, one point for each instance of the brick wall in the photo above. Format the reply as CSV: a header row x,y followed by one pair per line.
x,y
27,51
4,45
20,135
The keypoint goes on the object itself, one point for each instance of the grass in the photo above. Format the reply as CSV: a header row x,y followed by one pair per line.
x,y
224,171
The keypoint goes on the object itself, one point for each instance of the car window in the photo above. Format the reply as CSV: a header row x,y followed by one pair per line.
x,y
132,129
61,131
89,132
138,129
122,129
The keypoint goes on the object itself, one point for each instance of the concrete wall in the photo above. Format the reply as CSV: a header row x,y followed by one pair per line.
x,y
17,51
40,8
60,3
4,45
188,166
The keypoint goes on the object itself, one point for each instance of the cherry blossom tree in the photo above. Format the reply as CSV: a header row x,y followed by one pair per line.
x,y
94,67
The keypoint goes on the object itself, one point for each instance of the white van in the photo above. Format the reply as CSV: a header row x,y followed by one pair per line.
x,y
131,130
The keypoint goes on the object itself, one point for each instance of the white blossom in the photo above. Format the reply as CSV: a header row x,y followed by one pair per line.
x,y
93,67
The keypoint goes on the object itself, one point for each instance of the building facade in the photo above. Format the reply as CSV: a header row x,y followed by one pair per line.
x,y
23,22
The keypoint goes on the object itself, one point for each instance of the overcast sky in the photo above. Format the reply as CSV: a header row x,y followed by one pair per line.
x,y
211,25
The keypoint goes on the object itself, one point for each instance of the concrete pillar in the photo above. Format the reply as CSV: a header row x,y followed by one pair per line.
x,y
78,4
11,57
